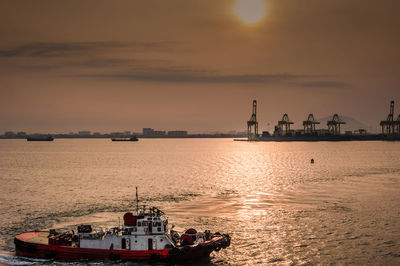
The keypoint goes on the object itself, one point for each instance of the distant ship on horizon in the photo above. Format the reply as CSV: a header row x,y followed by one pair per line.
x,y
41,138
125,139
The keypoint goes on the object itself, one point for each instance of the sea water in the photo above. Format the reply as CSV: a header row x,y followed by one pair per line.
x,y
278,207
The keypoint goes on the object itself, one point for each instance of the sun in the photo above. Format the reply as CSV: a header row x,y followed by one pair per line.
x,y
250,11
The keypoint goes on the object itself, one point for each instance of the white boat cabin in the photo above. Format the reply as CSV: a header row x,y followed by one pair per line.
x,y
144,231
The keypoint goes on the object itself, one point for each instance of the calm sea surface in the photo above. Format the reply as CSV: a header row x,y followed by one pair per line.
x,y
278,208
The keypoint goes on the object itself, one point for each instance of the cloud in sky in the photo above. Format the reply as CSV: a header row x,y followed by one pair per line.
x,y
65,49
90,56
168,75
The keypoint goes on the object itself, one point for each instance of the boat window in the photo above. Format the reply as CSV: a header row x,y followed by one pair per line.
x,y
159,229
139,224
123,243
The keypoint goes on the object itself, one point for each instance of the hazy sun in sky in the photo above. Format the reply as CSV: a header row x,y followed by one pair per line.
x,y
250,11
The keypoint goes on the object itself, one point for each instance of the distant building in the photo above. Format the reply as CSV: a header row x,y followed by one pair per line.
x,y
360,131
323,132
117,134
127,133
84,133
148,132
159,133
177,133
97,134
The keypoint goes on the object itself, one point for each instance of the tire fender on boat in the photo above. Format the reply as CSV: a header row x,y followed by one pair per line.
x,y
227,241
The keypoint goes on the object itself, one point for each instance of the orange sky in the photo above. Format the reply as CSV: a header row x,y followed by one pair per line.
x,y
123,65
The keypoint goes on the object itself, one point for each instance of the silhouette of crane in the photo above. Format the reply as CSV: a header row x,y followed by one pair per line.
x,y
334,125
253,123
388,125
285,123
397,125
309,124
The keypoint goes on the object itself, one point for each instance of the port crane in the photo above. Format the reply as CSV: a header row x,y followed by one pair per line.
x,y
253,123
388,125
285,123
309,124
397,125
334,124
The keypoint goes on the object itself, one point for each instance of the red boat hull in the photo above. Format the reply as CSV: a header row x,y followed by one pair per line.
x,y
32,244
35,245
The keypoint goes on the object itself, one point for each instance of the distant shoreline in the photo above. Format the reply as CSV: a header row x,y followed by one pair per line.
x,y
140,137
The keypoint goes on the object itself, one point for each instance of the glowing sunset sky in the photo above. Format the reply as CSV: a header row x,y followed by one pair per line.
x,y
195,65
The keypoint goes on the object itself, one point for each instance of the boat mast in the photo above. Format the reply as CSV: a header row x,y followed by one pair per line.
x,y
137,203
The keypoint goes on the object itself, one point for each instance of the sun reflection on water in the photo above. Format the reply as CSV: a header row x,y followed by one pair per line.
x,y
277,207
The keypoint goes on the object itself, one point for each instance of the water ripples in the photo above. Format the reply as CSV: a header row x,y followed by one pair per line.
x,y
279,208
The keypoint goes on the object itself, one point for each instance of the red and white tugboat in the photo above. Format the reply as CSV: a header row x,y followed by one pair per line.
x,y
144,236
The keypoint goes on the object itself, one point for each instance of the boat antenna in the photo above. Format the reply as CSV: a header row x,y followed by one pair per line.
x,y
137,202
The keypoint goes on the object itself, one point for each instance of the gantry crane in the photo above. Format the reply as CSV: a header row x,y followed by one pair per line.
x,y
334,125
388,125
309,124
253,123
285,123
397,126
